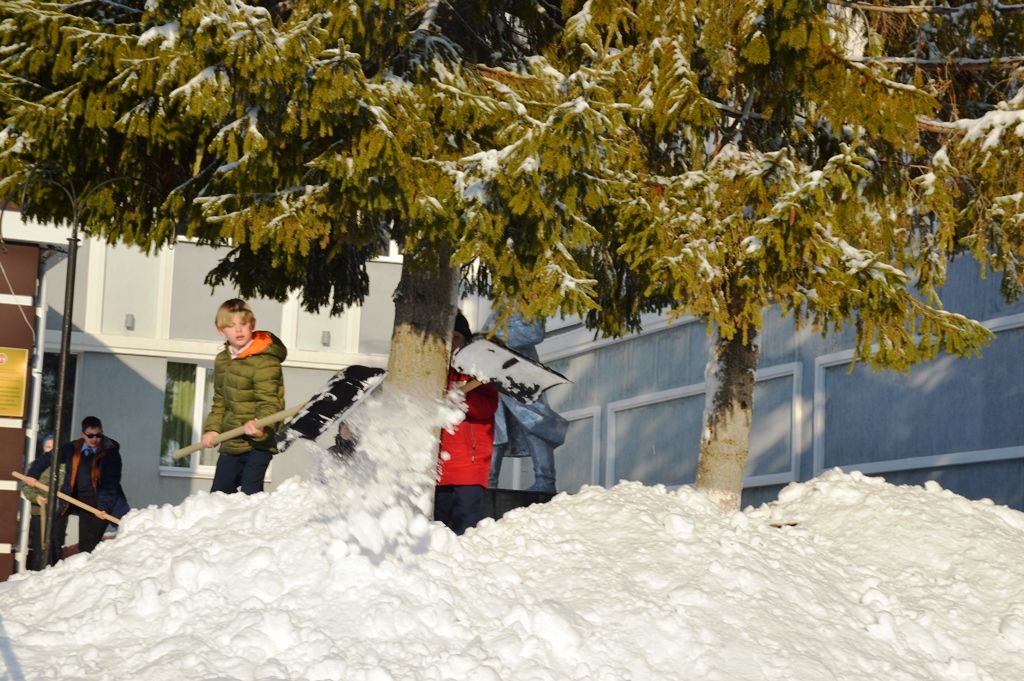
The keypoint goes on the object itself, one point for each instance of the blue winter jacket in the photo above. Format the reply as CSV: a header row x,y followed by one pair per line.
x,y
104,471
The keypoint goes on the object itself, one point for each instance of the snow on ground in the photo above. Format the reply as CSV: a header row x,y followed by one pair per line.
x,y
341,578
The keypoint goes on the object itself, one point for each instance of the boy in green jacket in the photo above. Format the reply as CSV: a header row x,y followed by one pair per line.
x,y
36,497
247,385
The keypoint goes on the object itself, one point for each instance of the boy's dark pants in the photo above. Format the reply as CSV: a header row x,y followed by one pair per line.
x,y
90,528
35,542
241,470
459,506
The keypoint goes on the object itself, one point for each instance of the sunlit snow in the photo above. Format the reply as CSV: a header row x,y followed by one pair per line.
x,y
340,576
993,123
167,34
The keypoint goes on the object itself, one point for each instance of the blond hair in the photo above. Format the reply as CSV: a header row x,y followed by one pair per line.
x,y
229,308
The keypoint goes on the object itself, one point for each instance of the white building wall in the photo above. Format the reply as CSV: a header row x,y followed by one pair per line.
x,y
133,313
635,403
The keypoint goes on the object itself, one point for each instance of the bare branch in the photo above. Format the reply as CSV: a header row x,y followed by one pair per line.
x,y
963,64
924,9
111,3
940,127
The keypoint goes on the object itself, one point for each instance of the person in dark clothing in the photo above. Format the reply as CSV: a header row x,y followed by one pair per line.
x,y
521,429
92,467
344,442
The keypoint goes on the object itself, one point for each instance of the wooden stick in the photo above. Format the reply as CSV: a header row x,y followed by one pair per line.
x,y
470,385
277,417
71,500
235,432
42,530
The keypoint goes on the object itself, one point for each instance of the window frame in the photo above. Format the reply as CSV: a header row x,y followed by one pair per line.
x,y
195,469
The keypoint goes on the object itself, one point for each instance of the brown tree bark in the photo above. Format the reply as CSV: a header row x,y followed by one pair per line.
x,y
425,304
725,440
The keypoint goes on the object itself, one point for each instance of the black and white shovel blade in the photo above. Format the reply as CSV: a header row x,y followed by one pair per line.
x,y
345,390
517,376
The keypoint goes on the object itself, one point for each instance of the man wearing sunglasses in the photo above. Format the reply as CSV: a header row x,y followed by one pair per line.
x,y
92,466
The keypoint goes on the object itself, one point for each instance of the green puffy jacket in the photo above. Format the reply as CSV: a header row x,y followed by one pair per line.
x,y
248,386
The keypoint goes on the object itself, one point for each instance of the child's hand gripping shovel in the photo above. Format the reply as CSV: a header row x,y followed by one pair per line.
x,y
310,419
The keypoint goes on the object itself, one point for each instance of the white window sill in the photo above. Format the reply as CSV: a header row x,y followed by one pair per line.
x,y
169,472
202,474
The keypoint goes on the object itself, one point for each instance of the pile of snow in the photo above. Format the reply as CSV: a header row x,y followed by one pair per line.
x,y
341,577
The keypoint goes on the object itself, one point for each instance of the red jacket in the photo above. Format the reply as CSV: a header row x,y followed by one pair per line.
x,y
468,458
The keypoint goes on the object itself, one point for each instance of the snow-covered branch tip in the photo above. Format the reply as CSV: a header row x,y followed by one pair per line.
x,y
429,17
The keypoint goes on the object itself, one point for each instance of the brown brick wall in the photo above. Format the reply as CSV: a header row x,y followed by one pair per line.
x,y
21,265
14,332
21,262
8,511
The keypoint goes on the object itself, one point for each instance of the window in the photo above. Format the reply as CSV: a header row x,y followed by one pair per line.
x,y
377,314
188,392
48,397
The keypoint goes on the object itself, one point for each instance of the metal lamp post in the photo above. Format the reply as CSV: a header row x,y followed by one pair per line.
x,y
58,417
76,200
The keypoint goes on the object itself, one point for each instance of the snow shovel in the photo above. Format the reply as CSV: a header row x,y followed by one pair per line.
x,y
71,500
343,392
515,375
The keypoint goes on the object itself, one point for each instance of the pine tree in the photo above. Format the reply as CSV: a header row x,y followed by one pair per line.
x,y
970,57
767,154
305,134
605,158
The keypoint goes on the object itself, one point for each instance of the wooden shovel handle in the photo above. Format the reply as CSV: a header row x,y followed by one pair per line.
x,y
235,432
277,417
470,385
71,500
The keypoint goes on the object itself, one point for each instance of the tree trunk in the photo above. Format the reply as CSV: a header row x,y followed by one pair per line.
x,y
425,304
402,443
725,441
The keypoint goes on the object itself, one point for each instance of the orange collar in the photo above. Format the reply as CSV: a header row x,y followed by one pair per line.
x,y
261,340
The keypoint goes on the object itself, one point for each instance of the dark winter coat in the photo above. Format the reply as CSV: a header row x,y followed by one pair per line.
x,y
246,387
103,468
466,452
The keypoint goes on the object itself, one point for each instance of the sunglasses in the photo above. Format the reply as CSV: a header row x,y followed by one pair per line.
x,y
93,436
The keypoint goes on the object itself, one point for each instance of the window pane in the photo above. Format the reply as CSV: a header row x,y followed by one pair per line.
x,y
377,314
208,457
48,397
179,404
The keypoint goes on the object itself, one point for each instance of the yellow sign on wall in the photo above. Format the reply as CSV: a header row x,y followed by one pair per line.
x,y
13,378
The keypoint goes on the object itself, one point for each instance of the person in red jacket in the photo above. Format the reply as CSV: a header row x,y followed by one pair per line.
x,y
465,459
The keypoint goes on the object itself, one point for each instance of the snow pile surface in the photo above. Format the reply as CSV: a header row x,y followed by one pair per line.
x,y
342,577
